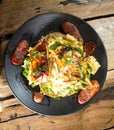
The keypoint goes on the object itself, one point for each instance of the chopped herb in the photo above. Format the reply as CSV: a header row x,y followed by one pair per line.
x,y
78,50
54,36
87,79
37,71
44,68
54,46
60,56
83,85
36,53
89,69
34,85
25,73
69,59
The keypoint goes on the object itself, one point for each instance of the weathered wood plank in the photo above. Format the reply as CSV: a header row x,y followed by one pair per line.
x,y
13,109
3,46
5,9
105,29
93,118
21,11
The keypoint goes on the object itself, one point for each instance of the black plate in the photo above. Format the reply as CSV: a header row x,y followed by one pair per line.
x,y
33,30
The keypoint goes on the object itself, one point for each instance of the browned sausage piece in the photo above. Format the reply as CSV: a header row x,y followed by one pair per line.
x,y
71,29
38,97
89,47
86,94
19,53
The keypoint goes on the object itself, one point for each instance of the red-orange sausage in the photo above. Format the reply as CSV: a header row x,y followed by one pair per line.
x,y
89,47
20,52
71,29
38,97
86,94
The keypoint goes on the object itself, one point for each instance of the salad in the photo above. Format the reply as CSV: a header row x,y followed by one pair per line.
x,y
59,66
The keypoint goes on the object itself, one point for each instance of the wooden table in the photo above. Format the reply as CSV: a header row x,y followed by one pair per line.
x,y
99,115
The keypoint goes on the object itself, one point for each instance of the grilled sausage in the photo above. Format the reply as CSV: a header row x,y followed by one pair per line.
x,y
89,47
71,29
86,94
38,97
19,53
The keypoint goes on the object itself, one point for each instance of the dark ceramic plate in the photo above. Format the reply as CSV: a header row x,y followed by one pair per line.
x,y
32,30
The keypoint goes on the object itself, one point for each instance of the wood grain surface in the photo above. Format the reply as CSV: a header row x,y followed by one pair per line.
x,y
99,115
10,9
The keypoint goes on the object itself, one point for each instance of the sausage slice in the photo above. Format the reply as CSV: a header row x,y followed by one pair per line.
x,y
89,47
38,97
86,94
71,29
19,53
